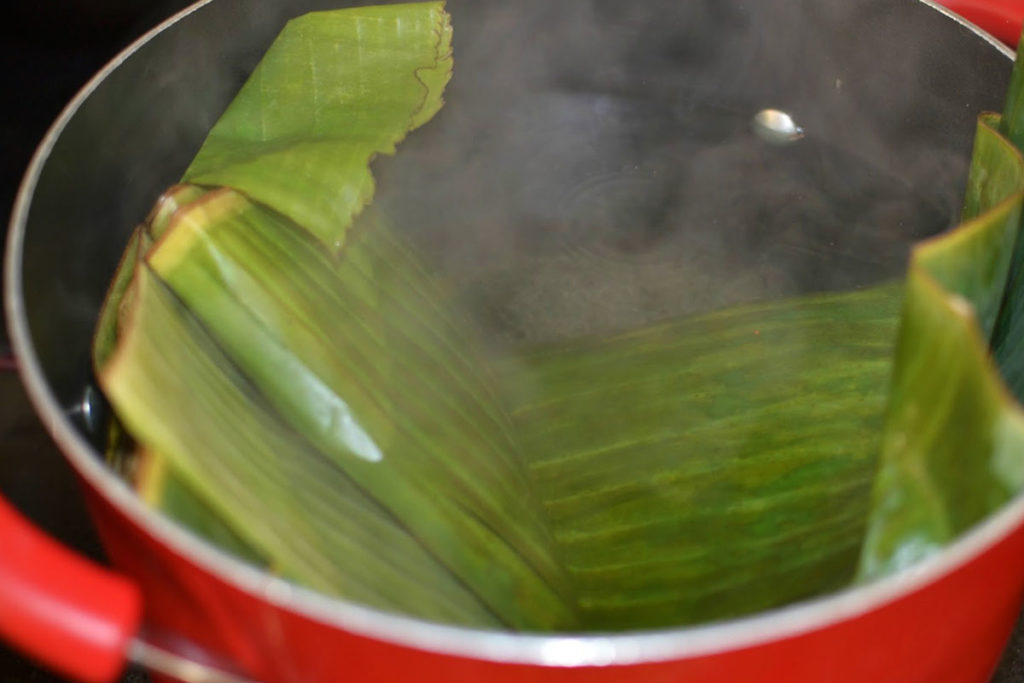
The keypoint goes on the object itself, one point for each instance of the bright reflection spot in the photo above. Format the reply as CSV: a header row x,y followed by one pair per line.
x,y
577,652
776,127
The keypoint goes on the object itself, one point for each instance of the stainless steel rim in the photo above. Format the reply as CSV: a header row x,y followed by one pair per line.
x,y
560,650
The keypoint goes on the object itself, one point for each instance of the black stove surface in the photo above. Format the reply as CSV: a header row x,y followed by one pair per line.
x,y
47,51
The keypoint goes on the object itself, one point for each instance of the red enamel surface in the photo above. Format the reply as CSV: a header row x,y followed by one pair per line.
x,y
1001,18
950,631
65,611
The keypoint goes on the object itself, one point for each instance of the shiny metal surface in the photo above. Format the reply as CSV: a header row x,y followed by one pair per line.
x,y
776,127
162,661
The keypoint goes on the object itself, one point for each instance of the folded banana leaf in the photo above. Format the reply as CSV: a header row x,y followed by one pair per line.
x,y
284,497
155,480
1010,324
354,357
953,441
374,439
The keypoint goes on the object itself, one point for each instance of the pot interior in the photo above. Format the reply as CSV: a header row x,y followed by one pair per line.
x,y
598,166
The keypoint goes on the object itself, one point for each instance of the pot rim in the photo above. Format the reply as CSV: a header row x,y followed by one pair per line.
x,y
559,649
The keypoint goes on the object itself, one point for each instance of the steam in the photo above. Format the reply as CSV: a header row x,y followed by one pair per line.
x,y
595,167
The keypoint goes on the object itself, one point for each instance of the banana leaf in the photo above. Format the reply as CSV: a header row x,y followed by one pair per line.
x,y
111,317
352,356
953,441
155,480
232,448
163,489
953,448
1010,325
726,460
334,90
303,391
367,373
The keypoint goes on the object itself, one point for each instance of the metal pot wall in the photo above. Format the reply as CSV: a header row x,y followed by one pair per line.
x,y
886,93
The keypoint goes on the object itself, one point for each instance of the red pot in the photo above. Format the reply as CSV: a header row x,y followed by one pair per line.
x,y
1001,18
945,620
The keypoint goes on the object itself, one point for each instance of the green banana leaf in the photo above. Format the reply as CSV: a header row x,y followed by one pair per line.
x,y
358,363
148,470
726,461
1010,325
952,449
314,524
301,390
111,318
333,91
161,488
368,373
953,444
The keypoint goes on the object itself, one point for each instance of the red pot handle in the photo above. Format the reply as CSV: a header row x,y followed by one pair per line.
x,y
68,613
1001,18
